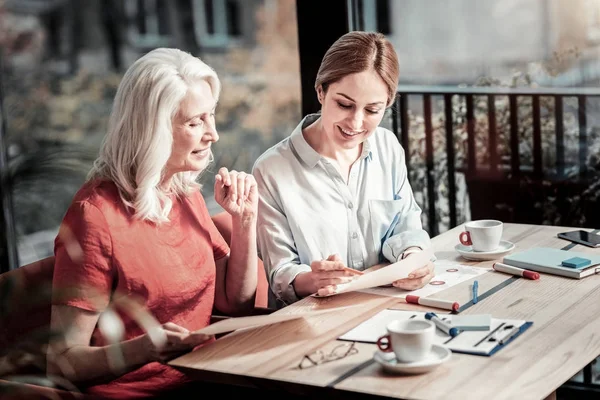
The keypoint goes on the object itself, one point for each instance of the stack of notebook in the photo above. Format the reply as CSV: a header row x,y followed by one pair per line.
x,y
556,261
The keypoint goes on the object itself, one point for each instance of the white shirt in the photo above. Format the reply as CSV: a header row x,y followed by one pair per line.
x,y
307,211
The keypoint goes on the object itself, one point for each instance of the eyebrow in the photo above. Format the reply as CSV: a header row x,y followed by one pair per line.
x,y
351,99
187,119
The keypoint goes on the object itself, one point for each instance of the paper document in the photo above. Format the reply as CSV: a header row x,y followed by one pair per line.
x,y
447,274
385,275
232,324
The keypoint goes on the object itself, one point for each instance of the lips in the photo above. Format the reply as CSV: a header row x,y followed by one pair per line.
x,y
201,152
350,133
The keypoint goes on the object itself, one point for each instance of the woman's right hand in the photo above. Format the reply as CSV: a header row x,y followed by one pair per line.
x,y
324,277
179,341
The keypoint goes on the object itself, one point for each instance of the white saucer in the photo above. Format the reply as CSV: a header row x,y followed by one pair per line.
x,y
468,253
439,354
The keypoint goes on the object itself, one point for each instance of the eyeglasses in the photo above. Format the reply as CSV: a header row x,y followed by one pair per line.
x,y
319,357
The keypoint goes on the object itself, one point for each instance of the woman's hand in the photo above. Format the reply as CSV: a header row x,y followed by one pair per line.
x,y
417,279
179,341
327,274
236,192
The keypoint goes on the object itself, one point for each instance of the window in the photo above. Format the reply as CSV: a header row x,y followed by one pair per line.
x,y
56,120
219,23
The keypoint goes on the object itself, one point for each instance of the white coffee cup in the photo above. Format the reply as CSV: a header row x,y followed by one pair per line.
x,y
482,235
411,340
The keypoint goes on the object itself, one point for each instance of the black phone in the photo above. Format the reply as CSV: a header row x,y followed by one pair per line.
x,y
582,237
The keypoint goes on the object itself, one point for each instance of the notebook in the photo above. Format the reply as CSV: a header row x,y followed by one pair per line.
x,y
481,343
548,260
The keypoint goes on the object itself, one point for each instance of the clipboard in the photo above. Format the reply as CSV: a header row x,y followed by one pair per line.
x,y
481,343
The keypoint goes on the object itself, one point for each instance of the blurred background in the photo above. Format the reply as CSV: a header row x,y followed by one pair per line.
x,y
497,105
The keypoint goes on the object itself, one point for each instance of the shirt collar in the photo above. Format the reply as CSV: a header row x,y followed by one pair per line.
x,y
310,156
306,153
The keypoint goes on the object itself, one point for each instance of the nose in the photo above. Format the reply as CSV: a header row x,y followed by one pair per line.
x,y
211,134
356,120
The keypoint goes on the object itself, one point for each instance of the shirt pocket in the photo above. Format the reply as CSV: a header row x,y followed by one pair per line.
x,y
383,216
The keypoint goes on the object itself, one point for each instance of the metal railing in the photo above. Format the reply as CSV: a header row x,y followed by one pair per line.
x,y
401,127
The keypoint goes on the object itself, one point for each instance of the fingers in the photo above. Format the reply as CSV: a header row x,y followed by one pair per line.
x,y
170,326
334,280
223,176
414,283
327,265
334,257
419,273
326,291
241,186
235,186
194,339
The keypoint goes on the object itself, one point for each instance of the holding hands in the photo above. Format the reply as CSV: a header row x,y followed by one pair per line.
x,y
236,192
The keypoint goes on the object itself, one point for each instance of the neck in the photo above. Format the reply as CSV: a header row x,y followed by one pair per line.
x,y
165,183
317,139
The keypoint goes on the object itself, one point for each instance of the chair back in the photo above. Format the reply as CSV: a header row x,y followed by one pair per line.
x,y
25,303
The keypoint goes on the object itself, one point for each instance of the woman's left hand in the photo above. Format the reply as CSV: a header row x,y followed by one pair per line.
x,y
236,192
417,279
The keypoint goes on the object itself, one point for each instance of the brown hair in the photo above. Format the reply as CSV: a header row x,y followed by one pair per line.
x,y
359,51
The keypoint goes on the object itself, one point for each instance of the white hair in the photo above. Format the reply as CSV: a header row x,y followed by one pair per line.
x,y
138,142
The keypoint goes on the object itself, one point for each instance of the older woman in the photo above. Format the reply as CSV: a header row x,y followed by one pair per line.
x,y
335,193
139,229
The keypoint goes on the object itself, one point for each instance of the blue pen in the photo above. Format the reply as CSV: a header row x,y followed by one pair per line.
x,y
475,287
441,324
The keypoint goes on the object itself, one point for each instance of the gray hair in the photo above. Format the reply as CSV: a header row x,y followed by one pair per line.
x,y
138,142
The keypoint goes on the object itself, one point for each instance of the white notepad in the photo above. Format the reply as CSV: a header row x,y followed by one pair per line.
x,y
483,343
474,322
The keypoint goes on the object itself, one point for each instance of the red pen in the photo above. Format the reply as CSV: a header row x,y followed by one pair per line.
x,y
509,269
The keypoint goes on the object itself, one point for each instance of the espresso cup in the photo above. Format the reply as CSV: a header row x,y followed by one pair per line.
x,y
482,235
411,340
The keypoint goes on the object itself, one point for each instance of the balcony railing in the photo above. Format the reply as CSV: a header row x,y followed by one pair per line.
x,y
507,165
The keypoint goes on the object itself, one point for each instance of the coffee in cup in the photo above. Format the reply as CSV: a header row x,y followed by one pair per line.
x,y
411,340
482,235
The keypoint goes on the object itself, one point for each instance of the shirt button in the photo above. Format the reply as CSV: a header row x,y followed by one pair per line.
x,y
350,205
354,235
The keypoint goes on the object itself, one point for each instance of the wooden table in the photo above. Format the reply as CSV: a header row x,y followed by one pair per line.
x,y
564,338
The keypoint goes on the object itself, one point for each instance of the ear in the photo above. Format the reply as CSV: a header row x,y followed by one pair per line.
x,y
320,94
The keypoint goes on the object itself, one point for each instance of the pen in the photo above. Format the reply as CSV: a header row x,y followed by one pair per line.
x,y
438,303
441,324
516,271
475,288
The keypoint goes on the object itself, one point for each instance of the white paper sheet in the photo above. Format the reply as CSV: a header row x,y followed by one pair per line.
x,y
233,324
385,275
447,274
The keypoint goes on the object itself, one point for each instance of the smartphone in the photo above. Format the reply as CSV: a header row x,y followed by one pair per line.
x,y
582,237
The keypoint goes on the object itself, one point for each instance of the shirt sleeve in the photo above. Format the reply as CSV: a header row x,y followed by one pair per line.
x,y
276,245
83,272
406,228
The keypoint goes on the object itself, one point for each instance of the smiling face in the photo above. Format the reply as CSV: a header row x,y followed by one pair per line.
x,y
193,131
352,108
